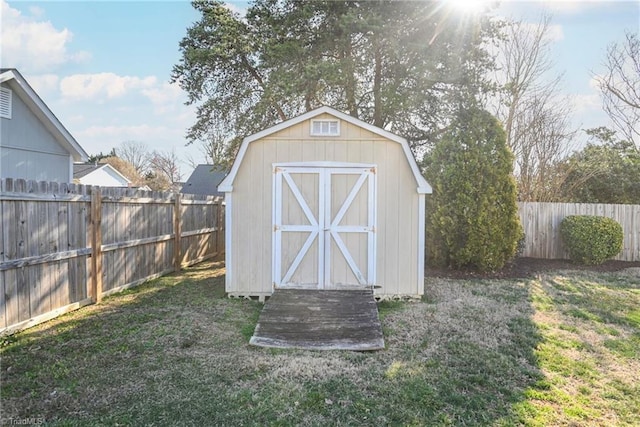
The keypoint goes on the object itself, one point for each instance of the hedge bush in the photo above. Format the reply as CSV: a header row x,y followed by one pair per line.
x,y
591,240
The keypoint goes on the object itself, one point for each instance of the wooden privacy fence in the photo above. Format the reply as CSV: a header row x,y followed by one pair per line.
x,y
63,246
541,223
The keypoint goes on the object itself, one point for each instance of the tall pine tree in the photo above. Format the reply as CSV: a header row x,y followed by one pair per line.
x,y
400,65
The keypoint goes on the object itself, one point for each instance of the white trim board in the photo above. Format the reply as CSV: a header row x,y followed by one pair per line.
x,y
228,241
421,242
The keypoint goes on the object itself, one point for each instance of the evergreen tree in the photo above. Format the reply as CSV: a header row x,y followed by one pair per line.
x,y
396,64
473,214
98,158
607,170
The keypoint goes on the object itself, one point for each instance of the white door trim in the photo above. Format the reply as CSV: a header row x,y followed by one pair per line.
x,y
281,173
324,228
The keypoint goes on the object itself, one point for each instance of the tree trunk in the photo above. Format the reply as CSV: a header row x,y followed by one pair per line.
x,y
350,84
377,86
254,73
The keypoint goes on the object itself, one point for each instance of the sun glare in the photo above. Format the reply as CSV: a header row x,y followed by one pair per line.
x,y
468,6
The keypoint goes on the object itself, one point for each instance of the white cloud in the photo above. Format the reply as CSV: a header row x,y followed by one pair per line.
x,y
103,85
98,138
43,83
164,94
586,102
124,133
555,33
594,82
165,98
32,44
78,118
557,7
36,11
144,128
570,6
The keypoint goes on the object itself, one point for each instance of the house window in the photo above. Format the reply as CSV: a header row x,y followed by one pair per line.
x,y
325,128
5,103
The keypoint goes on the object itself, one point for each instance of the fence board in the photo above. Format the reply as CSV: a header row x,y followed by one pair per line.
x,y
9,220
11,296
541,224
49,251
73,280
22,294
38,294
61,284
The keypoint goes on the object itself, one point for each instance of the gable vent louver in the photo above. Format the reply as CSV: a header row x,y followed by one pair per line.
x,y
5,103
325,128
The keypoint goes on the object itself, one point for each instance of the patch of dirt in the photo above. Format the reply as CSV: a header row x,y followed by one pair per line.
x,y
529,267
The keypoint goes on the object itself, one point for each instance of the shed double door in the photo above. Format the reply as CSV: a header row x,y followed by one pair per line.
x,y
324,222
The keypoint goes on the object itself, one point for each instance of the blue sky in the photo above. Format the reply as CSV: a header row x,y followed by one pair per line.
x,y
104,67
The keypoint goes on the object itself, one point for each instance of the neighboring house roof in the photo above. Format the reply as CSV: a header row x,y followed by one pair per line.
x,y
204,180
83,171
16,82
423,186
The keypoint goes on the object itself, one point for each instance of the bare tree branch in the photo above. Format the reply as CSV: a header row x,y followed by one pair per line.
x,y
536,120
166,165
136,153
620,87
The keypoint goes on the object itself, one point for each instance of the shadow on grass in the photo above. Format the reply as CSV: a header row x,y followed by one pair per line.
x,y
611,307
589,349
472,362
93,365
588,297
175,352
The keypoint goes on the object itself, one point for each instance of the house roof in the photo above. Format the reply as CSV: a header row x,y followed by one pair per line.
x,y
16,82
81,170
204,180
423,186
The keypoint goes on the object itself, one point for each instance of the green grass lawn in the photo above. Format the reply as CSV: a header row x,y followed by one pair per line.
x,y
561,349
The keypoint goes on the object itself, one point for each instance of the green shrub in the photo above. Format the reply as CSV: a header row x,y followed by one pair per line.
x,y
591,240
472,217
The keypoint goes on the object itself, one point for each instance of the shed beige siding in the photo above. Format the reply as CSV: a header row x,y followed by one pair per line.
x,y
397,204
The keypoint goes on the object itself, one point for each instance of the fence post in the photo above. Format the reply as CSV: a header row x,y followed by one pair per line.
x,y
177,255
96,245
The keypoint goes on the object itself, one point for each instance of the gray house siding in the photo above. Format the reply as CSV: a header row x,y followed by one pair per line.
x,y
33,165
29,150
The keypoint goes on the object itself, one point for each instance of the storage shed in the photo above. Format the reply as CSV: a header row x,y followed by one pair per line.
x,y
325,201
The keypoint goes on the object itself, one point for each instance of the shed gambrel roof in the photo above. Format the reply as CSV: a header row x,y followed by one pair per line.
x,y
16,82
423,186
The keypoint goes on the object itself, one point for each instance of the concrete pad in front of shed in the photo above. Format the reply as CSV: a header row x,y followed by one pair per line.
x,y
320,320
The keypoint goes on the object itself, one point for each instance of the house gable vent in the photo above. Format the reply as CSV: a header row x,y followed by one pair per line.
x,y
325,128
5,103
